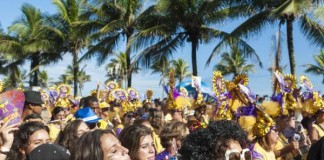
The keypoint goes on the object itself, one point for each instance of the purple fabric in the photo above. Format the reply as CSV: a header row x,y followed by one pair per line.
x,y
255,155
280,79
162,155
118,130
307,86
246,111
165,88
307,96
175,93
278,98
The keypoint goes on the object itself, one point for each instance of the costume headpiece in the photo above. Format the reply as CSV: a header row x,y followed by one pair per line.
x,y
311,100
93,93
103,96
111,85
63,91
120,96
133,98
175,100
222,110
199,98
286,98
252,115
149,95
237,97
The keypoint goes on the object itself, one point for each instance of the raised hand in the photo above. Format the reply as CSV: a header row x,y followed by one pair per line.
x,y
7,133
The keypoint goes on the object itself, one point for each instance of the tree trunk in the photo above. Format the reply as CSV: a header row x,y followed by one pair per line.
x,y
80,88
291,45
75,72
277,60
34,69
194,44
129,69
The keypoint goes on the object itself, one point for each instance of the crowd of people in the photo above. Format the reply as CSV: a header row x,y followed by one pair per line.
x,y
114,124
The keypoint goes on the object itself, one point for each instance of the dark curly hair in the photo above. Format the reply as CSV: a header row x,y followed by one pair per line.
x,y
212,142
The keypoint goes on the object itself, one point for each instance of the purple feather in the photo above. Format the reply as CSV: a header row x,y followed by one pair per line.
x,y
281,80
278,98
307,86
165,88
246,111
176,93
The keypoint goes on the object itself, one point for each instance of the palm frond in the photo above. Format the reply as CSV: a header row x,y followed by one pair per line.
x,y
312,30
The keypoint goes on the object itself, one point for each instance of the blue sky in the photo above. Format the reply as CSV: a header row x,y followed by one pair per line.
x,y
260,81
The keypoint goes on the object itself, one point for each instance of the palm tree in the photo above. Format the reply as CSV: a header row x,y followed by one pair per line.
x,y
82,78
318,68
117,67
69,12
181,68
16,78
115,21
268,12
67,77
171,24
44,78
29,38
234,63
162,66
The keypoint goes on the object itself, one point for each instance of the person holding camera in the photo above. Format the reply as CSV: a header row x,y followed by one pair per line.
x,y
290,141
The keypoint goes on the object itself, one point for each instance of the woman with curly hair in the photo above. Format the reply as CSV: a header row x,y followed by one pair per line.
x,y
220,140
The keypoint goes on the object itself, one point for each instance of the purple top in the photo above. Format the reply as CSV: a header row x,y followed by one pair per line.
x,y
255,155
162,155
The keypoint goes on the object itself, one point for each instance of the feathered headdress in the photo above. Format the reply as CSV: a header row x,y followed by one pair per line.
x,y
175,100
285,99
133,98
120,96
222,109
253,118
237,97
63,91
311,100
111,85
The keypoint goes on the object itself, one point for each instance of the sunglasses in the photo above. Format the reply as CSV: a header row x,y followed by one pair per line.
x,y
130,116
94,125
234,154
274,128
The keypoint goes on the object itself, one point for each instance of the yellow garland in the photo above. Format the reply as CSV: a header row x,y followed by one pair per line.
x,y
238,98
263,124
124,102
223,112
